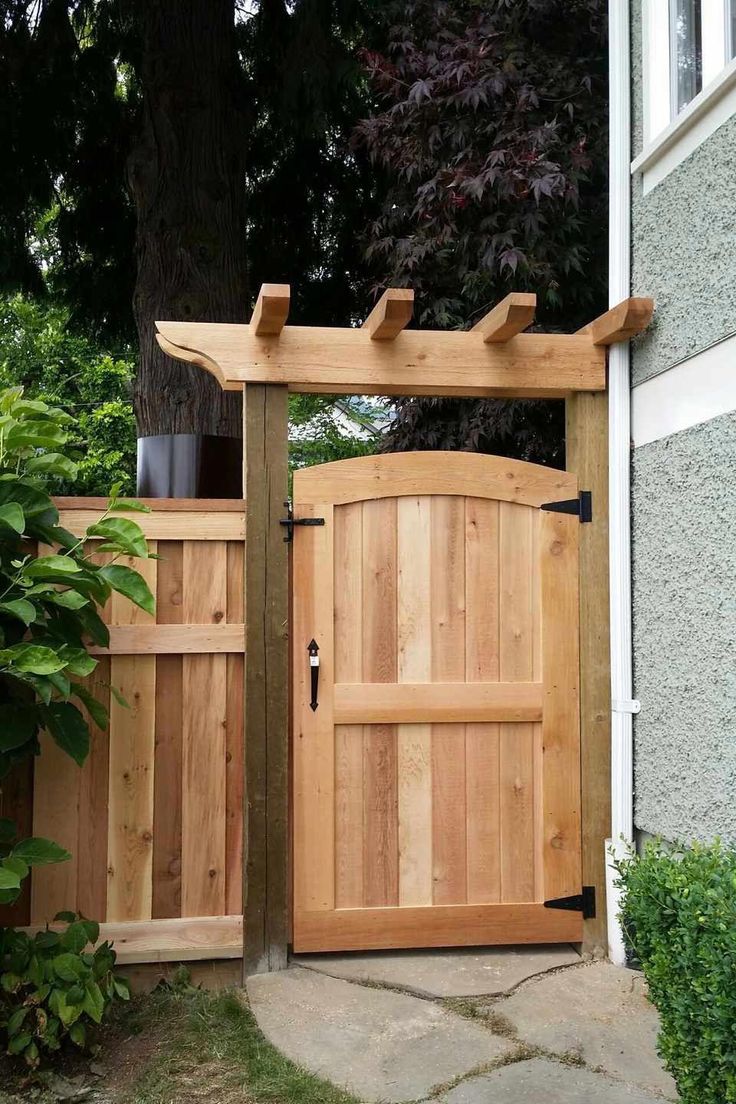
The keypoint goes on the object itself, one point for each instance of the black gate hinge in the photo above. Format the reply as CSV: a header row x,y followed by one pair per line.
x,y
290,521
580,902
582,506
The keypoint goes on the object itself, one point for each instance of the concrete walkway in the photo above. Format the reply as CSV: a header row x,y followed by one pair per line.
x,y
467,1026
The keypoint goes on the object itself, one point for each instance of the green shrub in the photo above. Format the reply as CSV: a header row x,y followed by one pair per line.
x,y
52,989
679,913
49,603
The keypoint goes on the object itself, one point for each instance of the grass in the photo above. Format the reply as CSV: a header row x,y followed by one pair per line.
x,y
213,1050
484,1012
186,1046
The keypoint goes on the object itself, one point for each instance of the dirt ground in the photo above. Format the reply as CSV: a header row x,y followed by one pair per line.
x,y
175,1046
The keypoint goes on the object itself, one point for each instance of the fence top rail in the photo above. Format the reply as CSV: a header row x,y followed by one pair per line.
x,y
208,505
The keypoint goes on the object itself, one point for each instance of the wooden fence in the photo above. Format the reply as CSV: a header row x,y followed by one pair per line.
x,y
154,818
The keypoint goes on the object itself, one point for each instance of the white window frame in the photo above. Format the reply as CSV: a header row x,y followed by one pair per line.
x,y
714,38
670,137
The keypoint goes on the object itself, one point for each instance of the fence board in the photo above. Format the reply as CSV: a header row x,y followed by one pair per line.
x,y
205,719
167,774
234,739
91,849
56,817
130,832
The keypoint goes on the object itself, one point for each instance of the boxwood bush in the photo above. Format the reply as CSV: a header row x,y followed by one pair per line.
x,y
679,913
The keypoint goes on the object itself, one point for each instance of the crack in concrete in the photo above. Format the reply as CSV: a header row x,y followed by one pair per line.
x,y
433,998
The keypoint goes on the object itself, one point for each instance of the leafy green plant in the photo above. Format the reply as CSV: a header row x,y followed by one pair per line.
x,y
679,913
49,602
18,856
52,988
40,351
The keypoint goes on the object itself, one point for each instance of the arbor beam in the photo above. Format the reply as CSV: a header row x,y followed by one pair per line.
x,y
621,322
587,456
416,362
391,314
266,729
271,310
508,318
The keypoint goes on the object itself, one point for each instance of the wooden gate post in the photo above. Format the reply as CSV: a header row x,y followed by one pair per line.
x,y
587,457
266,728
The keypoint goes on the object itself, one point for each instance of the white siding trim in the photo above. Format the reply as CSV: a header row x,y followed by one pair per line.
x,y
710,109
694,391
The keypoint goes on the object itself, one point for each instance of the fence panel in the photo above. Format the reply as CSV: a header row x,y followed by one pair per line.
x,y
154,818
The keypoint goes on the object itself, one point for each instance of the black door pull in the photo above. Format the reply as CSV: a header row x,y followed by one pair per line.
x,y
314,671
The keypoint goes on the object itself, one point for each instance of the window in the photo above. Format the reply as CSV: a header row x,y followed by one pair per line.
x,y
686,53
689,80
687,44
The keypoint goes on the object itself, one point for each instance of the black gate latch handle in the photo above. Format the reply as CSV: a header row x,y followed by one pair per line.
x,y
314,671
290,521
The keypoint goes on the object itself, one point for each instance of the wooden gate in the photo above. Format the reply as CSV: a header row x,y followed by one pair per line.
x,y
436,749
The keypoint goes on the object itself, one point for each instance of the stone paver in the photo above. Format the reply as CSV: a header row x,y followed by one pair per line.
x,y
457,973
380,1045
599,1012
539,1081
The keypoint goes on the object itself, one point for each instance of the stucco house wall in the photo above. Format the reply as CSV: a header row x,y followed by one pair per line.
x,y
683,253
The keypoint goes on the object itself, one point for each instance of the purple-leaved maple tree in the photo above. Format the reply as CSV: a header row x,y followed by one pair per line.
x,y
492,142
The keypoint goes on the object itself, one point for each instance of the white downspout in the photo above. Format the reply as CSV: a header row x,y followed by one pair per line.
x,y
619,429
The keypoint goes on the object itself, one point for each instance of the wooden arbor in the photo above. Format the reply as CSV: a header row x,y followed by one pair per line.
x,y
496,358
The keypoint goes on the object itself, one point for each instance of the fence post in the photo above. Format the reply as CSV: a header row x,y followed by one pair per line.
x,y
266,727
587,457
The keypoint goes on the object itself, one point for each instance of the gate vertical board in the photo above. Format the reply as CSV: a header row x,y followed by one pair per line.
x,y
561,718
437,783
414,742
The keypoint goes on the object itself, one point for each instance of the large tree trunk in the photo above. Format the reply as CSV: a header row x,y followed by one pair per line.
x,y
186,176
